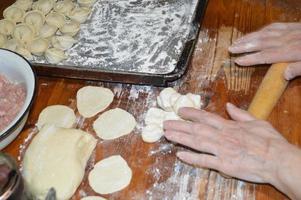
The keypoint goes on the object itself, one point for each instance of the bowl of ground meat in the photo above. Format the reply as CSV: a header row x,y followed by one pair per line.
x,y
17,91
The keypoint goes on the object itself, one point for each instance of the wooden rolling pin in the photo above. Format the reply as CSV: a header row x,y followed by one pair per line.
x,y
269,92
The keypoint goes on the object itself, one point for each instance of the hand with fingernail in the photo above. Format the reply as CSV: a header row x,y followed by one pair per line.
x,y
244,147
278,42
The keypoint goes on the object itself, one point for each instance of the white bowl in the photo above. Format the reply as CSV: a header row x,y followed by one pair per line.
x,y
17,69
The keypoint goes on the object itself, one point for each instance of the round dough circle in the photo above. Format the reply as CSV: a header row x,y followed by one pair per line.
x,y
58,115
92,100
93,198
114,124
110,175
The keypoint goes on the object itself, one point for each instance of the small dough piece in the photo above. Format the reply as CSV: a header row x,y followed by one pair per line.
x,y
80,14
114,123
3,40
23,4
36,19
152,133
6,27
23,33
64,7
86,3
38,46
92,100
45,6
155,116
188,100
58,115
110,175
13,14
55,19
57,158
70,28
93,198
54,55
164,98
63,42
48,31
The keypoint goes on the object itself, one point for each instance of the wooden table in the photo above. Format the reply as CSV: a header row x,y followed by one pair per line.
x,y
156,172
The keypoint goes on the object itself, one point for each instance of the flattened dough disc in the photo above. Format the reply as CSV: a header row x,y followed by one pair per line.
x,y
110,175
114,123
92,100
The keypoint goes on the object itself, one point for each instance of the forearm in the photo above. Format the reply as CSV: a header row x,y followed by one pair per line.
x,y
288,175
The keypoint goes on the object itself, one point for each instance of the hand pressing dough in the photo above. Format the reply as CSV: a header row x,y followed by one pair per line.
x,y
93,198
110,175
57,158
114,124
92,100
58,115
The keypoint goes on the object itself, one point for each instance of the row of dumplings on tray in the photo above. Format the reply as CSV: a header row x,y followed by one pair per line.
x,y
43,27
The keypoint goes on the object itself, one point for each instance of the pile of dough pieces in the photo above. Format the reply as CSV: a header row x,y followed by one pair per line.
x,y
58,154
43,27
169,101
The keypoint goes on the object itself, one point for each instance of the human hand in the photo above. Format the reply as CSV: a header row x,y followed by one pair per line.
x,y
244,147
278,42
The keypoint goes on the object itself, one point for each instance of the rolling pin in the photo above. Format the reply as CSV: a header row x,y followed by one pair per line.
x,y
269,92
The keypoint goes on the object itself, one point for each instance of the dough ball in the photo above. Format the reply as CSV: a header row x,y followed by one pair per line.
x,y
164,98
93,198
155,116
114,124
58,115
152,133
92,100
57,158
110,175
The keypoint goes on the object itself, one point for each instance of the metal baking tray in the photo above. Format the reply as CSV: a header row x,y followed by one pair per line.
x,y
132,41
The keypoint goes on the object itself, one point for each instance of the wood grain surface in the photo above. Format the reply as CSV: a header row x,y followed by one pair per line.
x,y
157,174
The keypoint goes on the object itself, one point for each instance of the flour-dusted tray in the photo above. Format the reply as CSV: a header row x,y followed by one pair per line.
x,y
132,41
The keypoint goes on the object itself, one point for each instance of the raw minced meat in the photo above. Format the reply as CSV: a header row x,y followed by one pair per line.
x,y
12,98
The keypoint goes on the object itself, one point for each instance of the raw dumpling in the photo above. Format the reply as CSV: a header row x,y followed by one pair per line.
x,y
86,3
13,14
23,4
35,19
23,33
80,14
55,19
3,39
64,7
47,31
24,52
70,28
54,55
45,6
6,27
38,46
11,44
63,42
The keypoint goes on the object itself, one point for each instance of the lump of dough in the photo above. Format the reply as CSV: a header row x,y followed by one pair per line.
x,y
45,6
70,28
188,100
86,3
92,100
93,198
55,55
152,133
164,98
47,31
56,158
13,14
58,115
110,175
155,116
79,14
114,123
6,27
55,19
38,46
63,42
